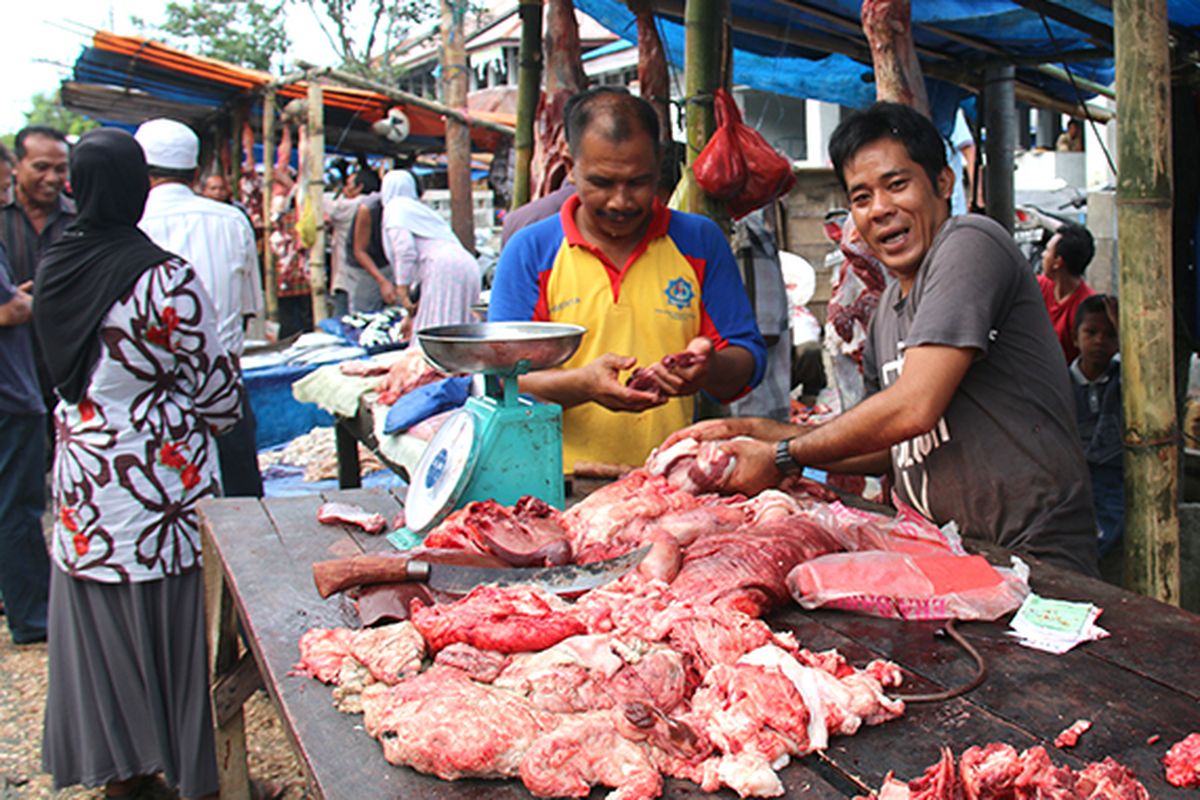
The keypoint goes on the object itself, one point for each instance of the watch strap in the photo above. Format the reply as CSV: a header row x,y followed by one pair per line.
x,y
783,458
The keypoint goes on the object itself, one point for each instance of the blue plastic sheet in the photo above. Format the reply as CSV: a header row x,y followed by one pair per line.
x,y
425,401
800,67
279,416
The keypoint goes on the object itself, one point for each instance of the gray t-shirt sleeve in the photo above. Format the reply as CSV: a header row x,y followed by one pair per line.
x,y
961,295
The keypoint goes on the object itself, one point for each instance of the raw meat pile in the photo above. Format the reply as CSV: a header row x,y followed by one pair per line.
x,y
1182,762
627,685
666,671
409,371
999,772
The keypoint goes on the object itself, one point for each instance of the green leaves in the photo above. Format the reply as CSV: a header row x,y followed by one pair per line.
x,y
248,33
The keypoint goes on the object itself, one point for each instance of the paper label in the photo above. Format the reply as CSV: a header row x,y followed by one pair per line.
x,y
1059,618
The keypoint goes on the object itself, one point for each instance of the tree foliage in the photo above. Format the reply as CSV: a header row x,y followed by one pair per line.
x,y
361,32
248,33
46,109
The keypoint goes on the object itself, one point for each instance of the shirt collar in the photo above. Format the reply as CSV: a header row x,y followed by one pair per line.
x,y
660,222
64,207
173,189
1083,380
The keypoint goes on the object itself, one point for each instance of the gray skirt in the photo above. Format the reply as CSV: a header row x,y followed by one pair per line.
x,y
128,684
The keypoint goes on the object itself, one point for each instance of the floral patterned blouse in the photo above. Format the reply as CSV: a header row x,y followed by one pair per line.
x,y
137,453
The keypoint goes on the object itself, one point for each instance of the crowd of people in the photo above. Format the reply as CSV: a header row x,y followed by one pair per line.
x,y
993,397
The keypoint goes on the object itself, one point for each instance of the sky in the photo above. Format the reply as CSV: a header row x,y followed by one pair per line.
x,y
43,40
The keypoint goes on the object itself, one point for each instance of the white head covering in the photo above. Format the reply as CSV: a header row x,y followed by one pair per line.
x,y
402,210
399,183
168,144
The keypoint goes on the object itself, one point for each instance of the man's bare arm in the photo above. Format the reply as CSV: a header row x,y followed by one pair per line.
x,y
731,370
910,407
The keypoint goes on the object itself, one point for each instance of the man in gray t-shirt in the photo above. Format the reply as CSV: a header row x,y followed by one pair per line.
x,y
1000,461
969,402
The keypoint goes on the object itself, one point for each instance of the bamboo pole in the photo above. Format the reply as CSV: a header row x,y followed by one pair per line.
x,y
458,136
268,256
1144,256
314,191
400,96
529,81
704,21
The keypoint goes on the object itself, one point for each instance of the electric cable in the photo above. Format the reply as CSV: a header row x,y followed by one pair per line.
x,y
951,630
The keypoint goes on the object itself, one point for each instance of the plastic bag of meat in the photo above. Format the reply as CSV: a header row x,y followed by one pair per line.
x,y
910,586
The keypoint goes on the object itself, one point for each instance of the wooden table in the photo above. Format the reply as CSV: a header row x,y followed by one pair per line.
x,y
1140,682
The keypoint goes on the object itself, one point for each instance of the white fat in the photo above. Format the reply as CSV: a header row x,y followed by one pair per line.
x,y
659,461
805,679
749,774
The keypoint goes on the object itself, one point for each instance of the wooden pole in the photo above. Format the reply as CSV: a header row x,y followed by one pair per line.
x,y
315,189
268,187
240,115
458,135
704,21
529,81
1144,256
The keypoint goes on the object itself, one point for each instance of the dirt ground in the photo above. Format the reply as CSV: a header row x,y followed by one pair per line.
x,y
23,698
23,702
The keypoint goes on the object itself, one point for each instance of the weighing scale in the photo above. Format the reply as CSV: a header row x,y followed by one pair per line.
x,y
500,446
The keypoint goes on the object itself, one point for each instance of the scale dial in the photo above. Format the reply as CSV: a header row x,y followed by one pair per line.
x,y
442,473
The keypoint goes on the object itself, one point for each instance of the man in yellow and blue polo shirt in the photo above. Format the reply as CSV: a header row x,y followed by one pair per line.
x,y
645,281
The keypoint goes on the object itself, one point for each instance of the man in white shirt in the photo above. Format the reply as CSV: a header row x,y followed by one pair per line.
x,y
217,240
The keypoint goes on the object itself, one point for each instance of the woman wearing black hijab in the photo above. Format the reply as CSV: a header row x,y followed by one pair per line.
x,y
131,342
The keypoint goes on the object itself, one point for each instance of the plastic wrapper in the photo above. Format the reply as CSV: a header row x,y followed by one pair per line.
x,y
910,586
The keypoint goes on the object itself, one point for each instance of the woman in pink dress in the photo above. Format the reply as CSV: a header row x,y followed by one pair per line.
x,y
424,251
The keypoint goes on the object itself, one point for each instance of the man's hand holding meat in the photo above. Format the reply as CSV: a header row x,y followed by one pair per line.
x,y
658,291
969,403
598,381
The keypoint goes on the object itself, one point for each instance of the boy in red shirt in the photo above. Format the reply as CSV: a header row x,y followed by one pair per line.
x,y
1066,256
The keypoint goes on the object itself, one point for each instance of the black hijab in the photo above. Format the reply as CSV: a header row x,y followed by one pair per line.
x,y
98,259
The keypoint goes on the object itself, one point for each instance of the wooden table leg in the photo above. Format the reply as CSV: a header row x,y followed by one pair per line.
x,y
348,469
228,725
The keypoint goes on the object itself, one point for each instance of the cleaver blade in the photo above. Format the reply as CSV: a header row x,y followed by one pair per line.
x,y
334,576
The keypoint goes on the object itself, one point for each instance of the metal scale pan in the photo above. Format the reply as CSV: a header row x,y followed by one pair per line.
x,y
500,446
500,348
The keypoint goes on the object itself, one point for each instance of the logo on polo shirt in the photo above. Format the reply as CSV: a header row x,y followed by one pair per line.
x,y
680,293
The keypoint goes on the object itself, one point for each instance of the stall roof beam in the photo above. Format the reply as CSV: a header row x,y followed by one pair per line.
x,y
1098,32
968,78
401,96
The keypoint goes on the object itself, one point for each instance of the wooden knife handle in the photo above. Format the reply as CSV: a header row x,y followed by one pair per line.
x,y
342,573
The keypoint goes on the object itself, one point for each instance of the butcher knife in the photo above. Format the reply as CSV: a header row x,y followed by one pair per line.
x,y
338,574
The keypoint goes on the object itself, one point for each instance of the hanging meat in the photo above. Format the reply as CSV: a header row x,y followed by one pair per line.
x,y
654,82
888,28
564,76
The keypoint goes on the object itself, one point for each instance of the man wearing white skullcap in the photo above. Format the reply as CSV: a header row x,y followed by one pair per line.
x,y
217,240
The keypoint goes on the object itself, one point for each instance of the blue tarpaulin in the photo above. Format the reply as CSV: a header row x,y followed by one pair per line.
x,y
801,57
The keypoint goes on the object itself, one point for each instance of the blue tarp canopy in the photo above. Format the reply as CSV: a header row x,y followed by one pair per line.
x,y
815,49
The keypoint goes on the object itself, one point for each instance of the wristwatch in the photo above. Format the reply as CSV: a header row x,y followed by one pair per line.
x,y
783,459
